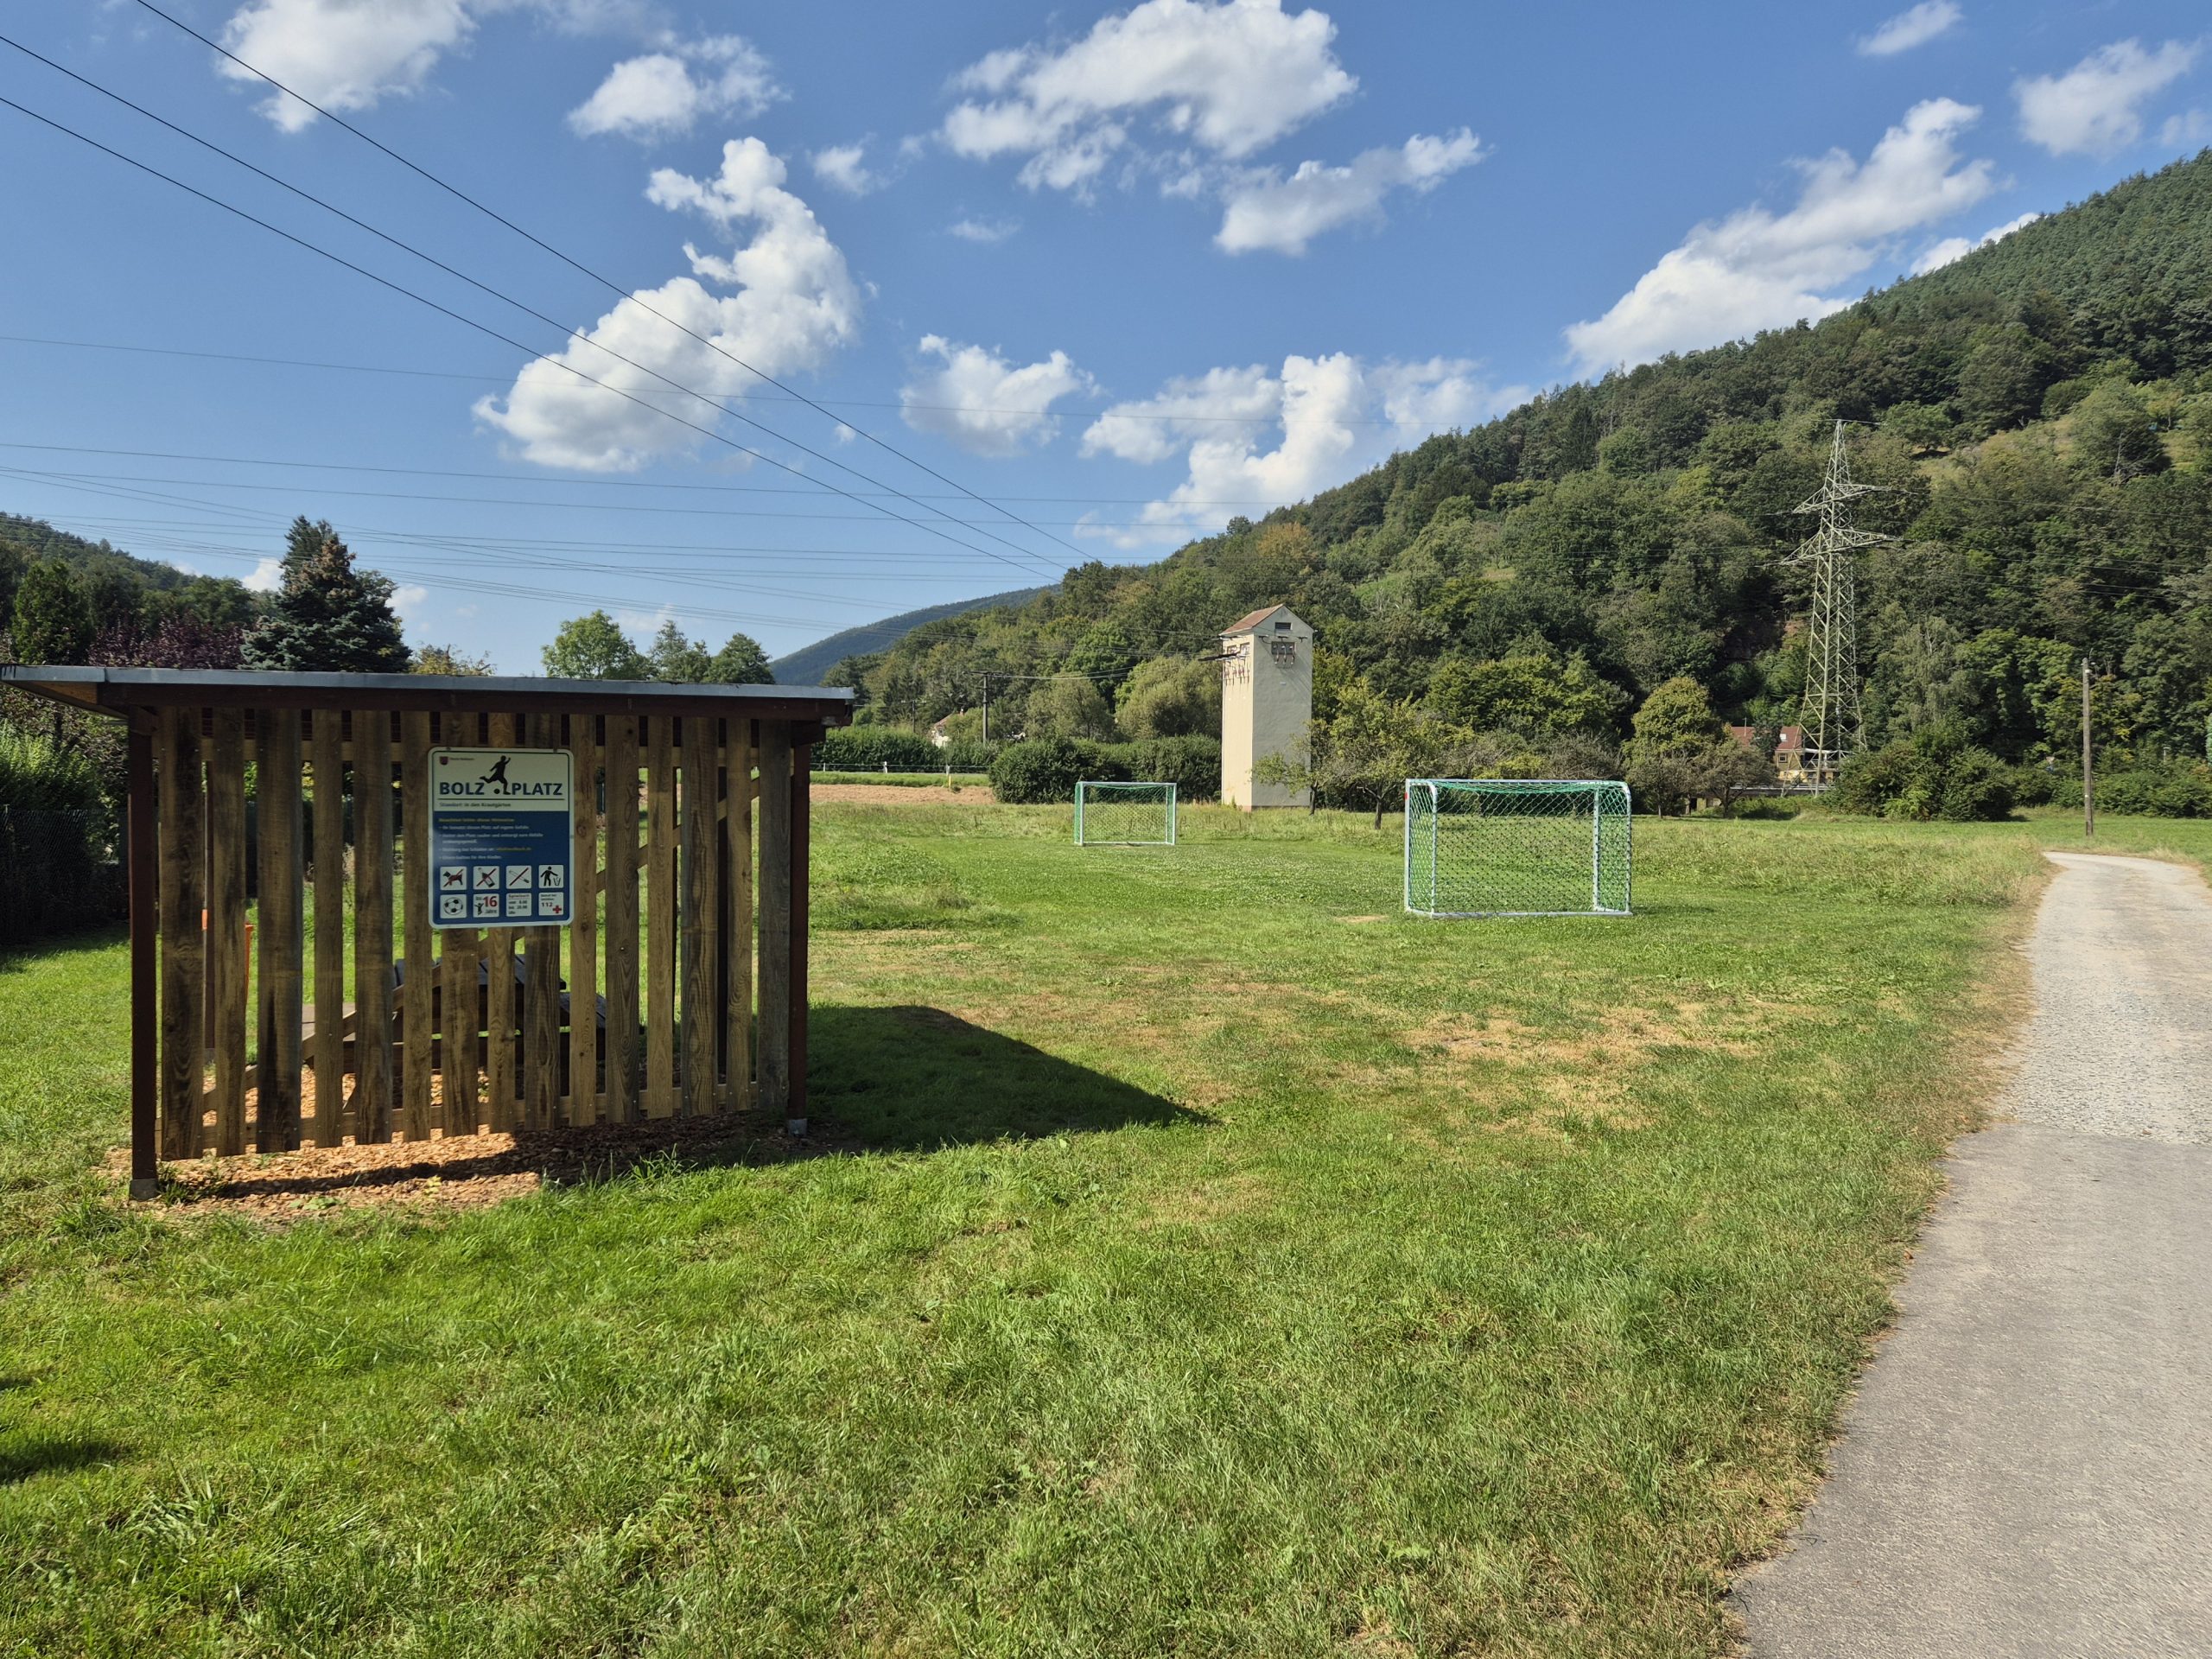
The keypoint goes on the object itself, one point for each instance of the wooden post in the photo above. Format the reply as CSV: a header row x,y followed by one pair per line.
x,y
276,1069
328,742
184,962
2088,767
373,861
541,1056
737,928
145,1081
775,917
660,918
417,992
583,926
801,789
227,924
701,914
621,918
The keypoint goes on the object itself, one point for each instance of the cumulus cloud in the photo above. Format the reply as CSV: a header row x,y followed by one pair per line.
x,y
665,93
2095,107
1757,269
791,303
1953,248
409,602
349,54
1326,417
844,166
985,231
2187,130
1264,210
1230,77
268,576
1910,28
982,403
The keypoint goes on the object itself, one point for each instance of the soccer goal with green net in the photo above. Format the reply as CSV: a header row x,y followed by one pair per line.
x,y
1516,847
1124,814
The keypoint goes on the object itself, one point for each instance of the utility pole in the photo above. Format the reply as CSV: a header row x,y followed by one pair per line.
x,y
2088,776
1829,713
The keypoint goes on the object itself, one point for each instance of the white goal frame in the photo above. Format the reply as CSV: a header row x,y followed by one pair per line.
x,y
1098,792
1453,873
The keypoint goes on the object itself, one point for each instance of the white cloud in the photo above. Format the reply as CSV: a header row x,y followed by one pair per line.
x,y
844,166
1952,248
1231,78
985,231
1334,415
793,303
268,576
2093,109
1264,210
2187,130
667,92
348,54
981,402
1757,269
408,602
1910,28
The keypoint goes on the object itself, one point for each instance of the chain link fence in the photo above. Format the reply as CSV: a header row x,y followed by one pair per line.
x,y
1516,847
1124,814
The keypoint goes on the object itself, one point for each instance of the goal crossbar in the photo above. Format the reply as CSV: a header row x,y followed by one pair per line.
x,y
1516,847
1114,814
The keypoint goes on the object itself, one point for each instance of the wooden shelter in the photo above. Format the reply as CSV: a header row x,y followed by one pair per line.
x,y
676,986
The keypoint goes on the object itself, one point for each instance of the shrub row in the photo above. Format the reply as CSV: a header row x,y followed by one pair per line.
x,y
1047,769
872,748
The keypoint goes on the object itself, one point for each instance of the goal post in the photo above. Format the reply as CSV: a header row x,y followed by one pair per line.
x,y
1124,814
1516,847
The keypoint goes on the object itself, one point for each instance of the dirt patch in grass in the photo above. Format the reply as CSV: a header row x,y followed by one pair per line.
x,y
902,795
462,1172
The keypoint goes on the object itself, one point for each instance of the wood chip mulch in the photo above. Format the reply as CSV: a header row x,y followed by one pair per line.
x,y
463,1172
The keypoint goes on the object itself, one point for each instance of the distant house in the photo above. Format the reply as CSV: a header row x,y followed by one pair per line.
x,y
1789,754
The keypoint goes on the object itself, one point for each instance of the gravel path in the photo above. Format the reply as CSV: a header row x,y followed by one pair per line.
x,y
2027,1470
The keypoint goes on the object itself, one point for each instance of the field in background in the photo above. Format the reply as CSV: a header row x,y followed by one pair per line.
x,y
1213,1261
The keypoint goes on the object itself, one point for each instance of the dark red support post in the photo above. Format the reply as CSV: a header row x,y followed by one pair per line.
x,y
801,766
138,854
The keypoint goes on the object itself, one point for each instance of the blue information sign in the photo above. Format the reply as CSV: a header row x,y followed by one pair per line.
x,y
502,828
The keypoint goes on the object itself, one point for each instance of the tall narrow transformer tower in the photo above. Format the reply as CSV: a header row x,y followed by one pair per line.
x,y
1829,710
1267,699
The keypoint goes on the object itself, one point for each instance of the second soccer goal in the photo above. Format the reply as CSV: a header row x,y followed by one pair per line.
x,y
1516,847
1124,814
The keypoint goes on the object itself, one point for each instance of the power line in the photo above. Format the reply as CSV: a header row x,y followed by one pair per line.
x,y
606,283
554,322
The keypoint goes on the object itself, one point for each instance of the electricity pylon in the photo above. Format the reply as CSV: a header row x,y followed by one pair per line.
x,y
1829,715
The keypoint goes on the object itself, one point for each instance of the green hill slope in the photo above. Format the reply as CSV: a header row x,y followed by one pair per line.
x,y
2040,414
807,665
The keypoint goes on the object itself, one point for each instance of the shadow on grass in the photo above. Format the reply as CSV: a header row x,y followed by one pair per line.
x,y
22,956
881,1079
23,1454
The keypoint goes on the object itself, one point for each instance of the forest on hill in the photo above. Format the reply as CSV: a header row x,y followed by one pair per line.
x,y
2038,413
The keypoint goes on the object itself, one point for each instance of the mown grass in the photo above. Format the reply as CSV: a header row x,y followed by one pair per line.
x,y
1227,1265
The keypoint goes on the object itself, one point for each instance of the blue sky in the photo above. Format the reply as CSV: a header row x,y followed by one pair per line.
x,y
1117,275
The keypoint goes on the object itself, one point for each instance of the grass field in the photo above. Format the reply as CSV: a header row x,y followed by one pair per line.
x,y
1218,1263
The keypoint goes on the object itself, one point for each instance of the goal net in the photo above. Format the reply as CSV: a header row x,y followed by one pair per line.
x,y
1516,847
1124,814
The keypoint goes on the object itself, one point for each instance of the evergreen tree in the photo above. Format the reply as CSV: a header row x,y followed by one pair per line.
x,y
327,617
51,623
741,661
591,647
673,658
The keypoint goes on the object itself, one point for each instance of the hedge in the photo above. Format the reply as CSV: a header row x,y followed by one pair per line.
x,y
54,873
1046,770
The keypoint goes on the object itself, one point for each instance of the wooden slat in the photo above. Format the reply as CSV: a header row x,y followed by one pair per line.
x,y
328,743
775,917
701,1027
460,1084
372,893
541,1048
227,923
182,841
661,933
621,918
277,938
583,927
502,1099
737,913
418,991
